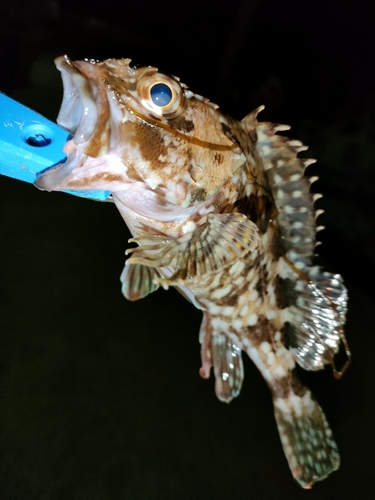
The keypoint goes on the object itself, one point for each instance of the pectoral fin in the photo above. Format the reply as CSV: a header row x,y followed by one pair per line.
x,y
221,240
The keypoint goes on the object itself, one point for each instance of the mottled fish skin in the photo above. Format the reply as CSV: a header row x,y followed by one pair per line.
x,y
221,210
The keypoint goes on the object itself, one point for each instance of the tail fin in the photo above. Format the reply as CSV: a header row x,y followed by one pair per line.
x,y
307,440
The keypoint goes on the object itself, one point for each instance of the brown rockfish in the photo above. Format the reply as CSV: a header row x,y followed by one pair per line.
x,y
222,211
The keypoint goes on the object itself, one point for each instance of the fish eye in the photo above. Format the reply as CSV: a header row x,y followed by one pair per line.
x,y
160,94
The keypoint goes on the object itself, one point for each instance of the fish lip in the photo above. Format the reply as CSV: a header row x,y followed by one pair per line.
x,y
78,113
50,178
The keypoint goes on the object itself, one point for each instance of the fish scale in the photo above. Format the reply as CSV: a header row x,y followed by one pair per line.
x,y
222,211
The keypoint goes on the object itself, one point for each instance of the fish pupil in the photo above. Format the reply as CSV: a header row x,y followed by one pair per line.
x,y
161,94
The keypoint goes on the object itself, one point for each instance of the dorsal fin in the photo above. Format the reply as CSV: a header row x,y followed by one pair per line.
x,y
317,300
289,186
316,317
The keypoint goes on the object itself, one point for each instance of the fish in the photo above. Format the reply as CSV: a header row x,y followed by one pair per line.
x,y
221,210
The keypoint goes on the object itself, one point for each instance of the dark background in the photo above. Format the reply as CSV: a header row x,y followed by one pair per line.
x,y
101,398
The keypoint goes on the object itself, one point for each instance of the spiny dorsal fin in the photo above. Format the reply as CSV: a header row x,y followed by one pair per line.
x,y
291,191
250,121
289,186
222,239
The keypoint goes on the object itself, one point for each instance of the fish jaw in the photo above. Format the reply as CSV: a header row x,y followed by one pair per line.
x,y
95,157
185,156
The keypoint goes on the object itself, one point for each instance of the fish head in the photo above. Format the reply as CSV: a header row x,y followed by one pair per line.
x,y
140,126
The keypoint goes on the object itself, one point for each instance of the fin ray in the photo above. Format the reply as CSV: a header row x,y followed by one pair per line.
x,y
228,367
221,351
138,281
307,440
221,240
317,319
290,189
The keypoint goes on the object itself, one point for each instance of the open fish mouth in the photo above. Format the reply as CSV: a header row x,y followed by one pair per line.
x,y
79,116
139,125
78,113
85,113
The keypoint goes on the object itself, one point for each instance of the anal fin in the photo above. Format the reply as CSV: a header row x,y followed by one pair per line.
x,y
221,351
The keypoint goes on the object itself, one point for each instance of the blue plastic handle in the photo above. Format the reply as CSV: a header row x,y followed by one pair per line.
x,y
29,144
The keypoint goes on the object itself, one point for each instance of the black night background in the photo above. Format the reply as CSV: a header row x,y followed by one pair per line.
x,y
101,398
